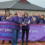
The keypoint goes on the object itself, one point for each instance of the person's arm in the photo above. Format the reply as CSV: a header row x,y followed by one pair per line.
x,y
44,22
16,20
38,21
23,22
29,22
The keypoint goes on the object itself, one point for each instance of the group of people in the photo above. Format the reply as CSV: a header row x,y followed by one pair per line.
x,y
22,20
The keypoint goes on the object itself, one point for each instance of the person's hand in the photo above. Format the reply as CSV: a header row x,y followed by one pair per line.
x,y
20,25
29,22
24,24
7,18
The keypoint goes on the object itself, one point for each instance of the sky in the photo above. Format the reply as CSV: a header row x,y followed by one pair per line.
x,y
4,0
40,3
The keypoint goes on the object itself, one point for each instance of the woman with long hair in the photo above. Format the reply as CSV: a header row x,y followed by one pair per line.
x,y
41,19
25,27
16,13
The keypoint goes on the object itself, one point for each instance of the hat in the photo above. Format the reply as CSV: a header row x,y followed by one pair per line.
x,y
19,12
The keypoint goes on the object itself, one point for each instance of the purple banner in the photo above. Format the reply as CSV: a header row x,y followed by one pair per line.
x,y
36,32
6,32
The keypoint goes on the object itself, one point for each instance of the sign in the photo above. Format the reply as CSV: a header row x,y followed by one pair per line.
x,y
36,32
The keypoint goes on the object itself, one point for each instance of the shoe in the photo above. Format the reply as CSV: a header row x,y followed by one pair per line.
x,y
26,43
2,43
17,44
38,41
10,42
22,43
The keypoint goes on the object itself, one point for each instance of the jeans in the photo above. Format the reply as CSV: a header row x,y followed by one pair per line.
x,y
15,37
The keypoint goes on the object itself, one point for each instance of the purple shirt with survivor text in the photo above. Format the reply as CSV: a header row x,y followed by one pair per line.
x,y
19,20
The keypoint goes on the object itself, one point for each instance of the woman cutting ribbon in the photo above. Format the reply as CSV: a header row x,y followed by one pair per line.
x,y
25,27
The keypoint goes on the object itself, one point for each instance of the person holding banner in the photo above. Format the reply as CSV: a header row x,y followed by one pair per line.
x,y
6,19
3,19
10,19
16,30
25,27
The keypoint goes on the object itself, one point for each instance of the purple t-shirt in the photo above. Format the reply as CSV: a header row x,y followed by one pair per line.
x,y
35,16
18,21
41,21
25,20
11,19
31,19
6,20
0,17
3,18
34,22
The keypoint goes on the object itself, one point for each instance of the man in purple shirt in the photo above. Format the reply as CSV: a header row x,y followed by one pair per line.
x,y
2,16
16,30
34,21
7,20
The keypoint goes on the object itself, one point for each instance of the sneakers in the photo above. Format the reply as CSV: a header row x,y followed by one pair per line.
x,y
26,43
22,43
2,43
17,44
10,42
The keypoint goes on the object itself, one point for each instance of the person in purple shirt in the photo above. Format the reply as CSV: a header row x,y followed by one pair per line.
x,y
31,19
7,20
25,27
2,16
11,18
16,30
3,19
33,15
41,19
34,21
39,15
44,21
